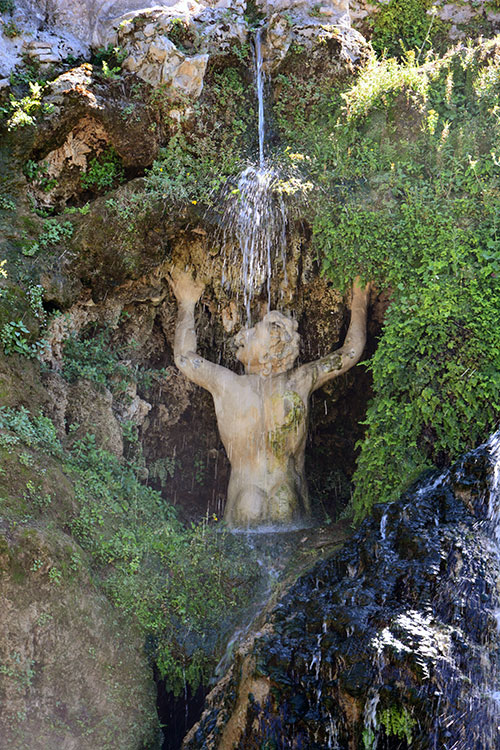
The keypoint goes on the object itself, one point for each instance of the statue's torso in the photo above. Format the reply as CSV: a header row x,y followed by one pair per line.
x,y
263,418
263,425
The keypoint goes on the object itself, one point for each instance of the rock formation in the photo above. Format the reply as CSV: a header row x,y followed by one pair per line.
x,y
390,641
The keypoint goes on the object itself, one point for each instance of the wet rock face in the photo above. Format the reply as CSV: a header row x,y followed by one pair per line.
x,y
391,643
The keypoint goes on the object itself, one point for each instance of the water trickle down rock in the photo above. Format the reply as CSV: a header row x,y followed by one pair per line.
x,y
391,643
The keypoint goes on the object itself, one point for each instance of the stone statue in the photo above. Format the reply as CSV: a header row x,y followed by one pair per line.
x,y
262,415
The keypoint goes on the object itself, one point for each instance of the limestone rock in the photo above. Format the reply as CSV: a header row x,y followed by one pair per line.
x,y
74,673
86,119
171,46
90,407
308,32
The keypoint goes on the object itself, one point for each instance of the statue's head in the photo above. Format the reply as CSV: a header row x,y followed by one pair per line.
x,y
270,347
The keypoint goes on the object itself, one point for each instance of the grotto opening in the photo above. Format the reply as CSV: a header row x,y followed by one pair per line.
x,y
262,415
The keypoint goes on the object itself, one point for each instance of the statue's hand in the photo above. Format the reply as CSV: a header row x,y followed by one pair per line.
x,y
184,287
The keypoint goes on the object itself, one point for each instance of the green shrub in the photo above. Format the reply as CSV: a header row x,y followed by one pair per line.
x,y
402,25
14,337
183,586
22,112
407,195
104,172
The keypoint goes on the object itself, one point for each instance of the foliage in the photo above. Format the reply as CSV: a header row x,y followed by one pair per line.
x,y
397,722
96,356
91,356
110,59
14,337
6,203
183,586
407,196
22,112
103,172
6,6
401,25
194,167
10,29
53,233
182,36
37,172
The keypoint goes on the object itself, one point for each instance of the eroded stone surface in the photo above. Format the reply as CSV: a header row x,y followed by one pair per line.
x,y
74,673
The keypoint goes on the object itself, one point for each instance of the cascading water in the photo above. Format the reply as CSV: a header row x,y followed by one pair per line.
x,y
256,215
393,642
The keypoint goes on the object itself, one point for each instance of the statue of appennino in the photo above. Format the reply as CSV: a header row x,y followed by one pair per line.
x,y
262,415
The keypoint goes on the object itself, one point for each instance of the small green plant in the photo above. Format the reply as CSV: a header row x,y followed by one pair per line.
x,y
35,297
10,29
110,59
181,35
108,72
35,496
52,233
163,469
397,722
316,10
36,172
7,204
6,6
103,172
14,337
22,112
55,576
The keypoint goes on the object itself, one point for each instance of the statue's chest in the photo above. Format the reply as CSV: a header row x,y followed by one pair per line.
x,y
285,420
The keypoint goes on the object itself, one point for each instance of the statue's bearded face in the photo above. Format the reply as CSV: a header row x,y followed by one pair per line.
x,y
270,347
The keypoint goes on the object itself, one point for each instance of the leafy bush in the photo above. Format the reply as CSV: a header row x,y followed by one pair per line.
x,y
14,337
183,586
408,177
103,172
92,357
22,112
402,25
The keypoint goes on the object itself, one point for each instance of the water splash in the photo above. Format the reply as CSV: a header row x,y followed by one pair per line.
x,y
259,223
256,213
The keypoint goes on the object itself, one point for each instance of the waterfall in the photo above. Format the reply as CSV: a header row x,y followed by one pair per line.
x,y
259,77
256,212
393,641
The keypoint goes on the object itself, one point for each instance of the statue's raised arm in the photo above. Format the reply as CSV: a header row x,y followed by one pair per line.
x,y
338,362
201,371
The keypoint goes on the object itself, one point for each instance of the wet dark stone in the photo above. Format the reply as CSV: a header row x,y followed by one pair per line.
x,y
357,679
396,633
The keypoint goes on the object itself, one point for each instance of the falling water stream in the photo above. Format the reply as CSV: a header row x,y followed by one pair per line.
x,y
257,217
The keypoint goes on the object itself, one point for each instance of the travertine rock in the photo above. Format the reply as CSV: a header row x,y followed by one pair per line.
x,y
90,408
172,45
74,673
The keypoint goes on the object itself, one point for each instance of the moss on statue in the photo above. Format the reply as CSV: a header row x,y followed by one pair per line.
x,y
290,407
